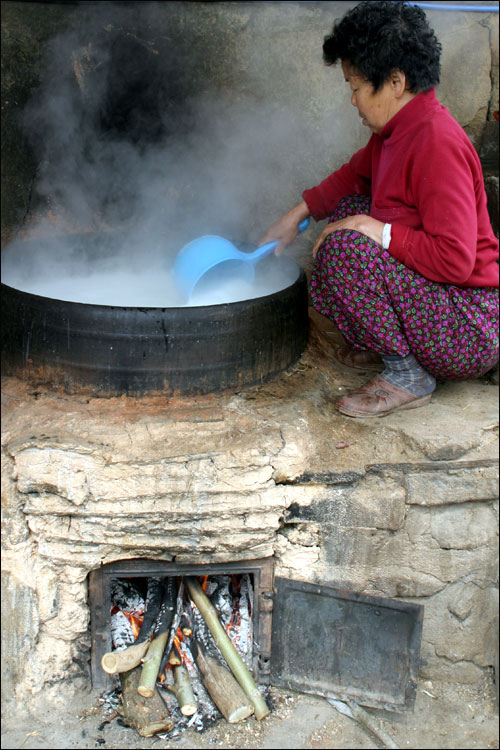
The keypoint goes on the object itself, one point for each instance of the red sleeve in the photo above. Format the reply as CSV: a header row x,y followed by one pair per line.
x,y
442,182
353,177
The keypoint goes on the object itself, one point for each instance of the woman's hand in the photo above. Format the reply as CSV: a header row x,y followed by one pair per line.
x,y
360,223
285,229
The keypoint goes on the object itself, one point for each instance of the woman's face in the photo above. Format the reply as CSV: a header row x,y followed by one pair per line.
x,y
375,108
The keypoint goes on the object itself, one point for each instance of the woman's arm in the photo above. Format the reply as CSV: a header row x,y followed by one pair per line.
x,y
286,228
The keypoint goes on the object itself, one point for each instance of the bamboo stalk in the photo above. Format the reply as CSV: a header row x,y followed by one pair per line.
x,y
183,691
227,649
151,663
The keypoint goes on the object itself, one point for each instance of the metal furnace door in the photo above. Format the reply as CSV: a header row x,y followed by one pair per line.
x,y
345,645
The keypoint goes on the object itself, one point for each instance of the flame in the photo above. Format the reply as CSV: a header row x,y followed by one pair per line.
x,y
204,582
178,638
135,622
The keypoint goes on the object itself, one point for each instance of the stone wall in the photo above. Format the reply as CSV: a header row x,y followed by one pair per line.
x,y
268,472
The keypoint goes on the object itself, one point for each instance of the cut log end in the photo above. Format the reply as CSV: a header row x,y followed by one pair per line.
x,y
109,663
261,712
241,713
188,709
123,661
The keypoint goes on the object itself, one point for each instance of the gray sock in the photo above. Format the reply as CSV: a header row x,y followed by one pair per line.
x,y
405,372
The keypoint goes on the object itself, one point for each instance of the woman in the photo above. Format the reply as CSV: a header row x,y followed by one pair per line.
x,y
407,266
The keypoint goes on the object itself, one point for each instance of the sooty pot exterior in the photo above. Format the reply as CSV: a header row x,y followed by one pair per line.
x,y
109,351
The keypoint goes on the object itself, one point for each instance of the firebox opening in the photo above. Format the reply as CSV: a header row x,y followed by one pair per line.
x,y
126,597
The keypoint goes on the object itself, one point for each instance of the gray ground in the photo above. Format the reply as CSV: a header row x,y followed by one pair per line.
x,y
445,716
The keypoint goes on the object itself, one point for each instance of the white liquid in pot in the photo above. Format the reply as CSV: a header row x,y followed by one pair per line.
x,y
113,282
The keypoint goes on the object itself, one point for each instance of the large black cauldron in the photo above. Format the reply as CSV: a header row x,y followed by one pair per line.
x,y
105,350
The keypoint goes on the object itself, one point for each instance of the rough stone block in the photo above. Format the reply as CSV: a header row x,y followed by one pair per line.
x,y
464,526
453,485
376,501
20,628
369,556
458,639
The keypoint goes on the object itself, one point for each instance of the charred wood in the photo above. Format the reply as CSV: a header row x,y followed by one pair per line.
x,y
226,647
154,599
153,658
147,715
222,687
122,660
173,628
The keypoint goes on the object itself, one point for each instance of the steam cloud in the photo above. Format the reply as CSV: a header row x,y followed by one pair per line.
x,y
130,130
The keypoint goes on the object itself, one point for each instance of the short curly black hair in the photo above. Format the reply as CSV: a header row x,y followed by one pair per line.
x,y
377,38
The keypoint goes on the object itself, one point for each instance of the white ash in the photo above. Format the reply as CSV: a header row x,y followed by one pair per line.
x,y
127,597
241,632
122,634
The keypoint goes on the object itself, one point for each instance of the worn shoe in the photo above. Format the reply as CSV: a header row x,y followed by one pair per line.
x,y
377,398
360,359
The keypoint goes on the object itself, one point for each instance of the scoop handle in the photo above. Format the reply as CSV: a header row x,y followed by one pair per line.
x,y
261,252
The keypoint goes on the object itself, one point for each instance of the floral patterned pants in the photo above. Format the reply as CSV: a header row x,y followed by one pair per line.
x,y
380,304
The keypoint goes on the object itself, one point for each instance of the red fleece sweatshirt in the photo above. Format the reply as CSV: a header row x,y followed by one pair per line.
x,y
425,178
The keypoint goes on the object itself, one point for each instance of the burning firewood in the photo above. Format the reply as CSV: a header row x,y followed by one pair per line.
x,y
222,687
174,629
115,662
153,658
185,626
183,691
119,661
147,715
226,647
175,658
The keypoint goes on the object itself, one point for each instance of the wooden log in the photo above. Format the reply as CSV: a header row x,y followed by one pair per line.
x,y
183,691
114,662
147,715
175,658
123,661
226,647
173,628
154,599
222,687
151,662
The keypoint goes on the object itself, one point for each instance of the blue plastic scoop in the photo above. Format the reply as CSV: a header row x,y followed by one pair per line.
x,y
204,253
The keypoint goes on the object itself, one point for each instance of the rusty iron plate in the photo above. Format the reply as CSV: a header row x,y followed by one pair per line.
x,y
345,645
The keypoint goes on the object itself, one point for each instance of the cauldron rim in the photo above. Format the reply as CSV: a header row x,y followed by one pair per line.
x,y
300,272
113,236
